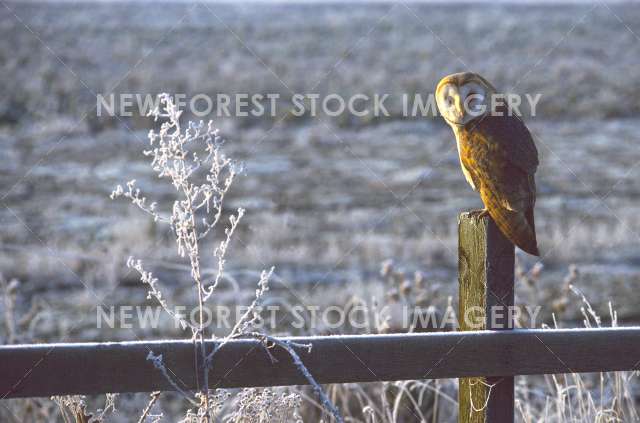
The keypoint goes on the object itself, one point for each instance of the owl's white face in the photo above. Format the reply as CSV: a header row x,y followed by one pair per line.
x,y
462,104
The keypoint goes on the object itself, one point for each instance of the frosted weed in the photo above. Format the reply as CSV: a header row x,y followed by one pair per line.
x,y
192,161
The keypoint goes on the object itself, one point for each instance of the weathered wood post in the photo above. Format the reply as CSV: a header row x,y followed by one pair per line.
x,y
486,281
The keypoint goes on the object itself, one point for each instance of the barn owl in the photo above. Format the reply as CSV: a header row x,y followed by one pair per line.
x,y
497,154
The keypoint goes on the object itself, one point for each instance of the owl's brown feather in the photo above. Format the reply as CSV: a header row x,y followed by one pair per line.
x,y
501,157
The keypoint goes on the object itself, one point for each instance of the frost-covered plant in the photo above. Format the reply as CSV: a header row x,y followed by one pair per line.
x,y
179,156
193,162
264,405
73,409
17,327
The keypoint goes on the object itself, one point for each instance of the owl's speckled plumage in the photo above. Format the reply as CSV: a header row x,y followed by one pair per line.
x,y
497,155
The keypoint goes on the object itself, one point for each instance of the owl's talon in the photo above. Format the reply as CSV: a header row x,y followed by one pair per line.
x,y
479,214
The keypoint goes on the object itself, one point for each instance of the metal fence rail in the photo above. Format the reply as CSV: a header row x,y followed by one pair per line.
x,y
93,368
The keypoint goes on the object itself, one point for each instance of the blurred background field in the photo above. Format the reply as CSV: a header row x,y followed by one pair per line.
x,y
328,199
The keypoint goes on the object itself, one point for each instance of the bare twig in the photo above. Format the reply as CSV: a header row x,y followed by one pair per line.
x,y
154,397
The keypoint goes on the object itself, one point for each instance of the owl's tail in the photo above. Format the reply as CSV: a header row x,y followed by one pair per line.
x,y
518,227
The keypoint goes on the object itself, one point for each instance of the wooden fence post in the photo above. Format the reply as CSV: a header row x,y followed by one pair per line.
x,y
486,284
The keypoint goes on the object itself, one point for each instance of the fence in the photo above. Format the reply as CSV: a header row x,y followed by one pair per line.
x,y
486,279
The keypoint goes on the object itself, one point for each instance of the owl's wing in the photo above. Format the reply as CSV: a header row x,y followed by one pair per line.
x,y
512,139
505,159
